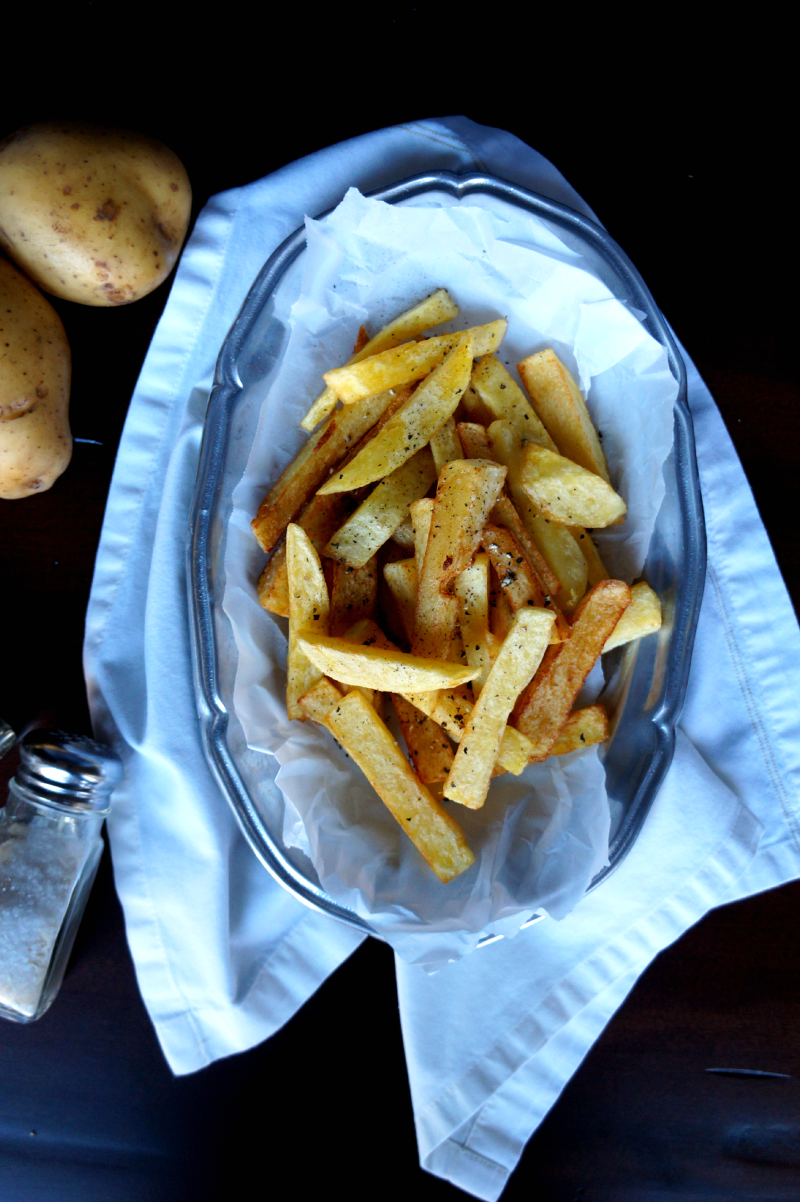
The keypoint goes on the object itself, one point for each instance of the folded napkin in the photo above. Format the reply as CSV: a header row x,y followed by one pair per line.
x,y
223,955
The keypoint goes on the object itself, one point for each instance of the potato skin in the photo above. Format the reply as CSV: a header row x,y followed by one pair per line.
x,y
91,214
35,363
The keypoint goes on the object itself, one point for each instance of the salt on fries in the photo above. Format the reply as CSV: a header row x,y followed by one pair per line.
x,y
442,503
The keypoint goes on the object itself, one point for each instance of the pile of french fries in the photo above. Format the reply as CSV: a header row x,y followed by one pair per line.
x,y
431,542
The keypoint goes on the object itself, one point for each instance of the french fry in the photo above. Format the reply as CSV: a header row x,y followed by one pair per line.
x,y
310,467
308,610
582,728
467,491
320,518
366,739
435,309
421,513
412,425
643,616
545,705
403,535
368,634
518,659
595,567
504,398
474,440
401,577
505,514
472,590
445,445
319,699
409,362
514,573
501,615
558,401
555,542
428,746
566,492
353,594
452,713
474,407
377,517
389,671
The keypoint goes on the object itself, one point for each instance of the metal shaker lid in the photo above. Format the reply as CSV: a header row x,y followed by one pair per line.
x,y
66,770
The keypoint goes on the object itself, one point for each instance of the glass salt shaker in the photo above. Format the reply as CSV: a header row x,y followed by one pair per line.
x,y
50,847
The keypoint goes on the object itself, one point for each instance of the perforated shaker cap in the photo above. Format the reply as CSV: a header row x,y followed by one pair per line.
x,y
67,770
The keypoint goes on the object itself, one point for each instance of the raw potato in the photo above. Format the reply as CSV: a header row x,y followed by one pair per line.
x,y
91,214
35,441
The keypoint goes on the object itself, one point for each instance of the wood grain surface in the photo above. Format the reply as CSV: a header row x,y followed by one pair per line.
x,y
689,171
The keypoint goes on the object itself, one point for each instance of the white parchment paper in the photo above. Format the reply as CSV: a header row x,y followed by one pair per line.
x,y
541,837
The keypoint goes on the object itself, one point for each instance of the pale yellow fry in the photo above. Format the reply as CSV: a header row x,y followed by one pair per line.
x,y
558,401
421,513
566,492
433,832
308,610
467,491
472,590
319,699
594,564
504,398
376,518
643,616
582,728
389,671
404,534
445,444
554,541
409,362
353,594
474,440
452,712
411,427
519,657
435,309
401,577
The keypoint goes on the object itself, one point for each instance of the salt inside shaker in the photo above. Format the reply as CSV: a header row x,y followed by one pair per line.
x,y
50,847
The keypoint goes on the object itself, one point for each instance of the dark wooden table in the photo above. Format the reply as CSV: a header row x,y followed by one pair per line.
x,y
88,1108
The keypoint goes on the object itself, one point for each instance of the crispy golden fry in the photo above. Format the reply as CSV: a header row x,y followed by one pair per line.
x,y
411,427
403,535
519,657
582,728
467,491
389,671
377,517
434,833
409,362
428,746
421,513
505,514
319,699
311,465
353,594
643,616
435,309
544,707
514,573
501,615
555,542
472,590
320,518
474,440
594,565
401,577
308,610
566,492
477,411
558,401
504,398
452,713
445,444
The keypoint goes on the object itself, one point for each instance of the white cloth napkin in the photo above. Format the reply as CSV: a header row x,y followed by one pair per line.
x,y
223,955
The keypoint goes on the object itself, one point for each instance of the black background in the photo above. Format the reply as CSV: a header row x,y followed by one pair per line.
x,y
683,149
